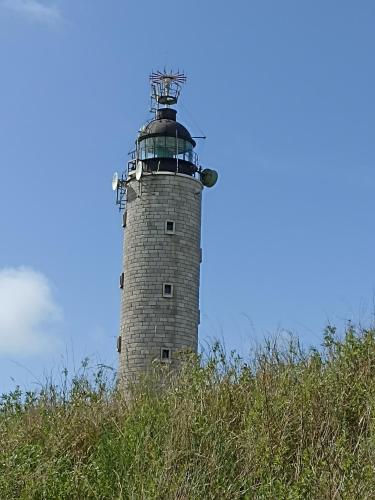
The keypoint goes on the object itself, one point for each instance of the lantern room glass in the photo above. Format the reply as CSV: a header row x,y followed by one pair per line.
x,y
165,147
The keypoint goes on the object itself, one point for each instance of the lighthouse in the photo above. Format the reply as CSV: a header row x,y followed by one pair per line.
x,y
160,197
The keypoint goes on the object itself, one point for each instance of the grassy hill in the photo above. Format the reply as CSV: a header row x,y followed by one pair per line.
x,y
285,424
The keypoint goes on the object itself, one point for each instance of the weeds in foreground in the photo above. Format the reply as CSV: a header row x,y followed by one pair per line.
x,y
285,424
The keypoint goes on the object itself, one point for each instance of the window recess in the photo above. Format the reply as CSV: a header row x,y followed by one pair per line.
x,y
167,290
170,227
119,341
165,355
124,218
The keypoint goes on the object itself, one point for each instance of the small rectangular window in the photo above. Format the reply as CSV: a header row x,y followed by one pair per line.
x,y
119,344
170,227
122,280
124,217
165,354
167,290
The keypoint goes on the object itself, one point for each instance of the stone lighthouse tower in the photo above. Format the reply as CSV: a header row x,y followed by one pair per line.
x,y
160,195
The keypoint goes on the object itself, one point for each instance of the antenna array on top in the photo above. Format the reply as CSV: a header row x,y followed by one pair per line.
x,y
166,86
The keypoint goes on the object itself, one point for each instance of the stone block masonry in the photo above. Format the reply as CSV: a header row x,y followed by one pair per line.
x,y
160,296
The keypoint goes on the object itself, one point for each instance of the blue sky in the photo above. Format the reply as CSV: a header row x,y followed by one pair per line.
x,y
284,93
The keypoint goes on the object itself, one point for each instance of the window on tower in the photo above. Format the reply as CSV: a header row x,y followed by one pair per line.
x,y
124,218
122,280
119,344
165,354
167,290
170,227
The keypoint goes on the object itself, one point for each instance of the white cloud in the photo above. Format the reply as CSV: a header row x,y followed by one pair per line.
x,y
28,313
34,10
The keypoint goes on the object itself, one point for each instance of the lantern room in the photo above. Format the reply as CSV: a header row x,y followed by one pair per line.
x,y
164,144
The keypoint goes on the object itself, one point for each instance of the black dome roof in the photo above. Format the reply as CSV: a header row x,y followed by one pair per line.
x,y
166,125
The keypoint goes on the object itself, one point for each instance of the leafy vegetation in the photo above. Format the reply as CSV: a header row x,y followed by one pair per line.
x,y
285,424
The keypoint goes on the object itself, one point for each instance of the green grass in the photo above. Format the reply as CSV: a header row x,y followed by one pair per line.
x,y
285,424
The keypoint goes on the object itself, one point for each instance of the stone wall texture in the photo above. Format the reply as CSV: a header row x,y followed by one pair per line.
x,y
151,322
